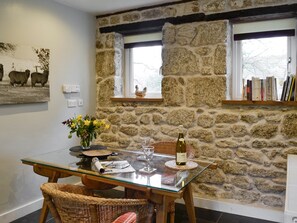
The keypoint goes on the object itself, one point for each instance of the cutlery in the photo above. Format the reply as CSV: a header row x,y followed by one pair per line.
x,y
108,164
183,175
124,167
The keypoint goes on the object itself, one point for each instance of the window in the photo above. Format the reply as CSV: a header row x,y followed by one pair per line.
x,y
260,50
143,61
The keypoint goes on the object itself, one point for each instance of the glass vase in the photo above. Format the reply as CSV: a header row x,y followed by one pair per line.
x,y
85,142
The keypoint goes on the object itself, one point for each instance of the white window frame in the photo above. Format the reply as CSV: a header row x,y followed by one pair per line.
x,y
260,26
129,87
129,76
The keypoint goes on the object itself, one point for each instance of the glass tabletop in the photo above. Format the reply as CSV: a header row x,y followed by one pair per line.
x,y
163,178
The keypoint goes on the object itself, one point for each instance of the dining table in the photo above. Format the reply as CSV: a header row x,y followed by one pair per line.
x,y
166,184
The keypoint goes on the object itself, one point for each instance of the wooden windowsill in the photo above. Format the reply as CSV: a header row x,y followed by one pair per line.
x,y
136,99
259,103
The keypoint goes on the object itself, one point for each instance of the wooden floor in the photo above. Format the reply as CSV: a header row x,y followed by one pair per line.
x,y
203,216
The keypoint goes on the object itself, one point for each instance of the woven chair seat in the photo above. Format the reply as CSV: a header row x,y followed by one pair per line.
x,y
72,203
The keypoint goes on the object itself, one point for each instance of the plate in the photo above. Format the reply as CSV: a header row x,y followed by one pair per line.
x,y
97,153
189,165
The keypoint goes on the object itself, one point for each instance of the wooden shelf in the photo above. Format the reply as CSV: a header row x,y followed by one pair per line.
x,y
259,103
136,99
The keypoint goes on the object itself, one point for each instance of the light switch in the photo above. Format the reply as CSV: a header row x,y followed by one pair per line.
x,y
71,103
75,88
80,102
66,88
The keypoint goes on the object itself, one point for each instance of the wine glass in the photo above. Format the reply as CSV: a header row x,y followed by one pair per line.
x,y
149,154
145,141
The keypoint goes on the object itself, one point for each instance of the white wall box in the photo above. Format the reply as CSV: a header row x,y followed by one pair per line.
x,y
290,215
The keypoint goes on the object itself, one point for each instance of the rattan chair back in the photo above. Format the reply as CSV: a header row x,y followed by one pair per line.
x,y
72,203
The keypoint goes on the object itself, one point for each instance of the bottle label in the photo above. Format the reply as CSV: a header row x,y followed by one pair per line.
x,y
181,139
181,157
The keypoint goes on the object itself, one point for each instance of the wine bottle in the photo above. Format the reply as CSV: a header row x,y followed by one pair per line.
x,y
181,151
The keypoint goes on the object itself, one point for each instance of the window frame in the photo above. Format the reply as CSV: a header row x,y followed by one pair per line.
x,y
260,29
130,42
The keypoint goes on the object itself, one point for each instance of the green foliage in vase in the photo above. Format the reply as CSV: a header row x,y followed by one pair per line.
x,y
86,128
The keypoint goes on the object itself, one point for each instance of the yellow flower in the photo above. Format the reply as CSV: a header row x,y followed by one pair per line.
x,y
96,123
87,122
86,125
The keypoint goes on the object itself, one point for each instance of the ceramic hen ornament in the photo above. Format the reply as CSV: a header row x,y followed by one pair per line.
x,y
139,93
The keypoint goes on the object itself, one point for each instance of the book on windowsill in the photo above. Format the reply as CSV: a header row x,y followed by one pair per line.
x,y
260,89
256,89
292,89
284,90
263,89
289,83
289,89
268,81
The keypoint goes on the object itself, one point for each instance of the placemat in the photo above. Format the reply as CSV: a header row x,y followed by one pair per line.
x,y
93,147
189,165
97,153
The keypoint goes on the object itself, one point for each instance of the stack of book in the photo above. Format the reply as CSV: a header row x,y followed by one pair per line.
x,y
289,92
258,89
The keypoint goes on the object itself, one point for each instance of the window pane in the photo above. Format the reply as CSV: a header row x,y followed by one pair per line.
x,y
146,67
265,57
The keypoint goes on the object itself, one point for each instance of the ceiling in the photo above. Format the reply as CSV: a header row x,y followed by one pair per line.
x,y
101,7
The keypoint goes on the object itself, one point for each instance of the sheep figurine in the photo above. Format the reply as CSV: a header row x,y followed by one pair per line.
x,y
1,72
139,93
18,77
40,78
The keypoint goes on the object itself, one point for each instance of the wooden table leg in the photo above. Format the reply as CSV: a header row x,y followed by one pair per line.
x,y
188,198
44,211
162,209
53,177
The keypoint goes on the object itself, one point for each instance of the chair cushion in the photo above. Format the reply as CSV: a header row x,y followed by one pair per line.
x,y
129,217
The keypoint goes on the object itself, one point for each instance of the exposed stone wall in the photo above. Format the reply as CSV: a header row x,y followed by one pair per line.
x,y
192,7
109,67
194,64
250,144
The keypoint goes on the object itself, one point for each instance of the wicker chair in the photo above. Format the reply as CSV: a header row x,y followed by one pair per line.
x,y
169,148
72,203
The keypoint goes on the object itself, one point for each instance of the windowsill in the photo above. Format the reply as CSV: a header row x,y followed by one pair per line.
x,y
137,99
259,103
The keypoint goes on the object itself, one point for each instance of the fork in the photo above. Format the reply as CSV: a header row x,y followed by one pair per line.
x,y
108,164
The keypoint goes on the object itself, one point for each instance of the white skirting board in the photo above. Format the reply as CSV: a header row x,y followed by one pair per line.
x,y
21,211
222,206
269,214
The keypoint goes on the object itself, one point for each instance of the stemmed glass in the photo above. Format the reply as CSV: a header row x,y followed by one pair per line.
x,y
149,153
145,141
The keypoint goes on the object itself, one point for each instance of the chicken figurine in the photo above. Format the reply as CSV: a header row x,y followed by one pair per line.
x,y
139,93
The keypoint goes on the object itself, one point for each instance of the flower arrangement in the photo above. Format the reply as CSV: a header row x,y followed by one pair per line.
x,y
86,128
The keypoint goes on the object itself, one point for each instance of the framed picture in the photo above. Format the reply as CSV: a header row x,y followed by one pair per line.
x,y
24,74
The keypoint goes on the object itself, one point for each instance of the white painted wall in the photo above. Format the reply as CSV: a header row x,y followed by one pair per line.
x,y
29,129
